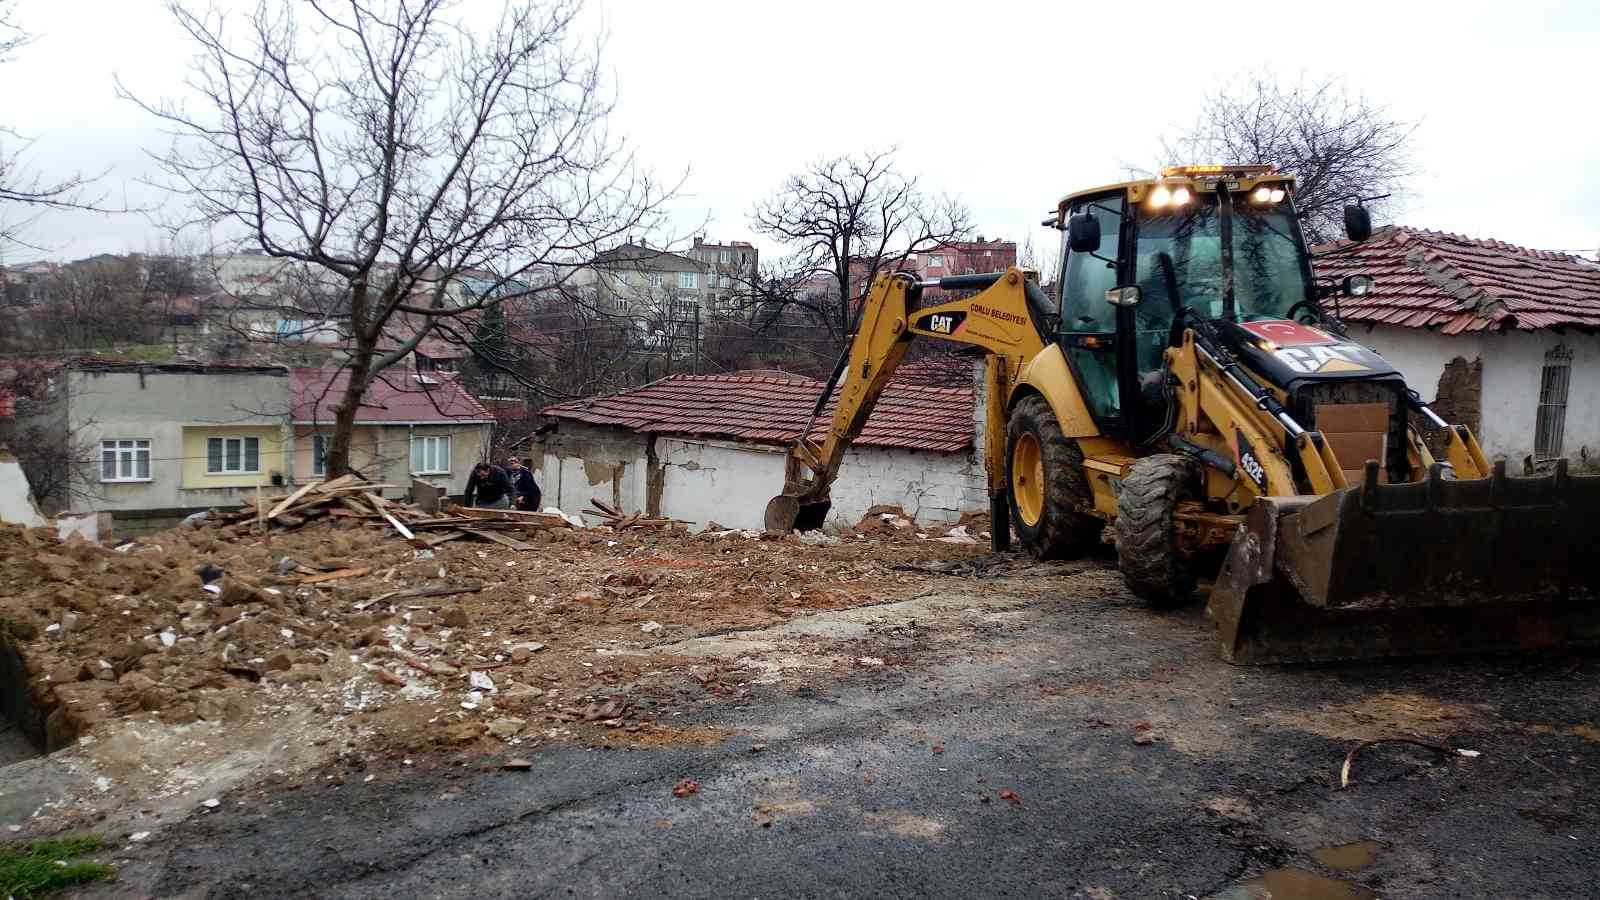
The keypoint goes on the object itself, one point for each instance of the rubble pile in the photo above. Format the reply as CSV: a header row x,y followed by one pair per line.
x,y
428,641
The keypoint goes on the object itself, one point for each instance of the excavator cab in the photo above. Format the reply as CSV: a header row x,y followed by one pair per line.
x,y
1133,269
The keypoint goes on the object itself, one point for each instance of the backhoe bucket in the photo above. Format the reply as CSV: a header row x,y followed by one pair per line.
x,y
1415,569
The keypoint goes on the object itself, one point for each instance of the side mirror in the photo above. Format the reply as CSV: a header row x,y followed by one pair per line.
x,y
1126,295
1357,223
1083,233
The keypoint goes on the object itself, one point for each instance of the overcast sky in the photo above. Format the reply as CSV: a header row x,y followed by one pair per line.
x,y
1006,104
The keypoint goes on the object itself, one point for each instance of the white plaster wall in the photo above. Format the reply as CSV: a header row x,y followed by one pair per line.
x,y
1512,367
16,496
730,483
932,487
714,481
582,462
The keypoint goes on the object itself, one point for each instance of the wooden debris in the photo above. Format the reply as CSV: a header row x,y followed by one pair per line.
x,y
429,541
435,590
351,498
336,575
292,499
609,516
500,539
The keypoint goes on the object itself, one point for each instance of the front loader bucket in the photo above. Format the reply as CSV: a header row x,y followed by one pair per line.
x,y
1416,569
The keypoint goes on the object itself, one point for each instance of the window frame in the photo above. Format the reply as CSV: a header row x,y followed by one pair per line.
x,y
224,471
319,455
1550,414
724,257
132,455
688,281
426,440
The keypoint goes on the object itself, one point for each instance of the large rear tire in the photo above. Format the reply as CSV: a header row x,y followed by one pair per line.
x,y
1147,540
1049,493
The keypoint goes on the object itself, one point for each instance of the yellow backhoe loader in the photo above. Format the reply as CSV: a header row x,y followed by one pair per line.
x,y
1194,385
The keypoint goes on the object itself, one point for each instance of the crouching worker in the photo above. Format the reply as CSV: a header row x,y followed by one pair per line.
x,y
489,487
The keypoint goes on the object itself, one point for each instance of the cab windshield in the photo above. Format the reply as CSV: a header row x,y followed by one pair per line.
x,y
1269,270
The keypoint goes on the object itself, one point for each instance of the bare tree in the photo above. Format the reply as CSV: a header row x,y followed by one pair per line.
x,y
397,149
22,191
1047,262
846,219
1341,146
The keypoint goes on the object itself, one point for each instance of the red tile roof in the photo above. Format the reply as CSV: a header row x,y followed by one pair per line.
x,y
774,409
1431,279
396,396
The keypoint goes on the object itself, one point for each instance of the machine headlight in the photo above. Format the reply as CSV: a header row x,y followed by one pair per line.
x,y
1161,196
1262,194
1180,196
1278,194
1358,285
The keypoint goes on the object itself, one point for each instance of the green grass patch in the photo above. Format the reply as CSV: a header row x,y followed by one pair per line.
x,y
34,870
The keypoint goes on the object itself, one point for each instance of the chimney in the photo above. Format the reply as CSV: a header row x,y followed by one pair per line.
x,y
699,239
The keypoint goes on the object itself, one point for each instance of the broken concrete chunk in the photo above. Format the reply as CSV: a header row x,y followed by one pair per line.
x,y
650,627
507,727
278,662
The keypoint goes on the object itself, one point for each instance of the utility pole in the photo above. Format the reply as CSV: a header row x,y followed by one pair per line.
x,y
697,339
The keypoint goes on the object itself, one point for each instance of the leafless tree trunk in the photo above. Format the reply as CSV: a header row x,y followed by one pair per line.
x,y
1340,145
847,219
399,149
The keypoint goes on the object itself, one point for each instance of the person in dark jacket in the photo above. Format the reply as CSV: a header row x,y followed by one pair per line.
x,y
488,486
527,490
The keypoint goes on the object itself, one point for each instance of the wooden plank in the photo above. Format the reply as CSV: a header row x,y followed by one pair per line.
x,y
548,520
378,503
605,509
356,506
336,575
403,530
433,540
261,520
437,590
289,501
500,539
324,487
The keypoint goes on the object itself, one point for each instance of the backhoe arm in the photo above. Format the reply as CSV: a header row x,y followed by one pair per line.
x,y
1007,319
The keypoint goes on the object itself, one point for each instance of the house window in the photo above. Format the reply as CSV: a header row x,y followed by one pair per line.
x,y
1550,424
935,261
125,460
319,455
430,455
233,456
688,280
725,257
656,280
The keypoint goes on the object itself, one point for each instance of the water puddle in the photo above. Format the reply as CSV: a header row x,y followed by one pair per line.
x,y
1348,857
1295,884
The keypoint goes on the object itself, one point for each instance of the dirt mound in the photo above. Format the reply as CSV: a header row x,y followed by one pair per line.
x,y
456,643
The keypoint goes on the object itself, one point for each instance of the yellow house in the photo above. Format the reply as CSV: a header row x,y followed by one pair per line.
x,y
231,456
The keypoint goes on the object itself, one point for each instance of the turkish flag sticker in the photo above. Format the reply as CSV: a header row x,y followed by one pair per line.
x,y
1285,333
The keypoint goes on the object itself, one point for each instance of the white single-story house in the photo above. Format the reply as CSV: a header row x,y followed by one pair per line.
x,y
1501,338
710,448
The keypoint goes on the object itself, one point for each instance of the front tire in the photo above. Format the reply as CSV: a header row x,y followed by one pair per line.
x,y
1147,539
1049,493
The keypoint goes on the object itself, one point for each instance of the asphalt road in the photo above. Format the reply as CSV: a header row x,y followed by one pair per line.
x,y
1039,700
